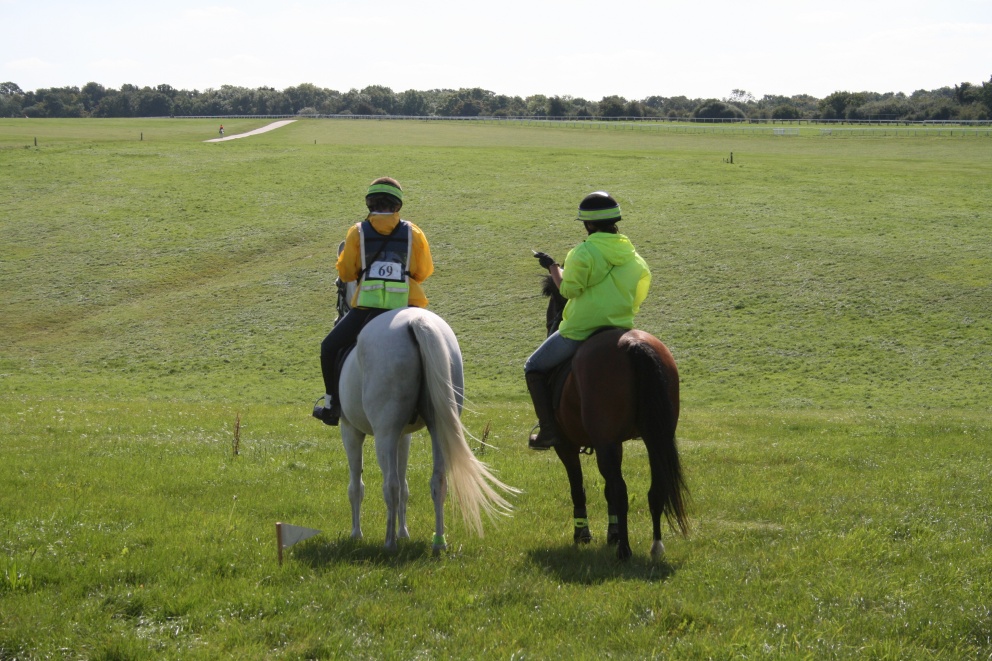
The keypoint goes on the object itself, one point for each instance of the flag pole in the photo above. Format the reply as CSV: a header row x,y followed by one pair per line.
x,y
279,540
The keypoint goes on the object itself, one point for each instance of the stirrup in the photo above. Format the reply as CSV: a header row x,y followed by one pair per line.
x,y
329,415
535,442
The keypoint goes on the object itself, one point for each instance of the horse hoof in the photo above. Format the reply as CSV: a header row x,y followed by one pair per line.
x,y
624,553
582,536
438,544
657,550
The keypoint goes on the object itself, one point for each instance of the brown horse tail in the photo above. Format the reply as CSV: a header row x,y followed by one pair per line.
x,y
656,420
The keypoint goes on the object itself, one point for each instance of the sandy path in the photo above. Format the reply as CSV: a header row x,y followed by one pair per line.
x,y
270,127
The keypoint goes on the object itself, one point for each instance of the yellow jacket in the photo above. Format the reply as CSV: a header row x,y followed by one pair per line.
x,y
421,265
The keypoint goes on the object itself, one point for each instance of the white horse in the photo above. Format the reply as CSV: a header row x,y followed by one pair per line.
x,y
405,373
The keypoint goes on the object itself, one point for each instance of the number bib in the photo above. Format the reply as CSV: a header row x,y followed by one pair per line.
x,y
391,271
385,283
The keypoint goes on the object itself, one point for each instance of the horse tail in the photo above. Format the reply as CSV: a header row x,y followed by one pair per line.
x,y
656,420
471,482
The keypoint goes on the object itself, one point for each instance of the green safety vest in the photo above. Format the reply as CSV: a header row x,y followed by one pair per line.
x,y
384,281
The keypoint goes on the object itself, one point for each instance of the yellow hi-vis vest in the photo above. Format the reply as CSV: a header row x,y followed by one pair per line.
x,y
385,278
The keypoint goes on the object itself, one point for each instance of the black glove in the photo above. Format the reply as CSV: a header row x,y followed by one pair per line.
x,y
545,260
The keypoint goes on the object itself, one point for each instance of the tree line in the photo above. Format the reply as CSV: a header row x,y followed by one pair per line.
x,y
963,101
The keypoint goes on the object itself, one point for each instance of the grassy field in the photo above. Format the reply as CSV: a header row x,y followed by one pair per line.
x,y
827,301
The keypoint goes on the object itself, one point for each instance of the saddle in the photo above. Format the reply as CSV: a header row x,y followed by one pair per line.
x,y
559,374
556,381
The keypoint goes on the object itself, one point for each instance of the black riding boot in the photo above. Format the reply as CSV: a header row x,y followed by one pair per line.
x,y
541,396
330,414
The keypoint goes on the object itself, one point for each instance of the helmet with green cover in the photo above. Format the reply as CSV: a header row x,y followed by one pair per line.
x,y
599,207
384,194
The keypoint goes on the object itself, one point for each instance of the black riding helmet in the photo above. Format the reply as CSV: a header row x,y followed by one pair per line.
x,y
599,207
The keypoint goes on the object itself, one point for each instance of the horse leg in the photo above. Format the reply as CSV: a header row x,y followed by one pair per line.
x,y
439,490
353,441
387,453
612,528
655,502
403,457
573,468
657,546
608,458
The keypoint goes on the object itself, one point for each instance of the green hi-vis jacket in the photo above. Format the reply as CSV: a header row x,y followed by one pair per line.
x,y
605,282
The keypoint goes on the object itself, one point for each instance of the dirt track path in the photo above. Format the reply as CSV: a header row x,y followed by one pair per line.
x,y
264,129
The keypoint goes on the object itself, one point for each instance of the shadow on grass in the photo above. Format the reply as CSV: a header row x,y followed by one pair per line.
x,y
345,550
595,564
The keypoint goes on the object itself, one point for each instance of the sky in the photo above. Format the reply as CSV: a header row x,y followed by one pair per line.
x,y
580,48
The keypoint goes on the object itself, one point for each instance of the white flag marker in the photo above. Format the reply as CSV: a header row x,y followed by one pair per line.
x,y
288,534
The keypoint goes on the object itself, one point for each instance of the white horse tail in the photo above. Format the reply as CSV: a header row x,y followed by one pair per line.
x,y
470,481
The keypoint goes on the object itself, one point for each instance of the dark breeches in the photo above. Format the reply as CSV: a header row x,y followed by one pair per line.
x,y
343,335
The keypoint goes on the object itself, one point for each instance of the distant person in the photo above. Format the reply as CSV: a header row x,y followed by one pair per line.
x,y
605,282
222,129
389,258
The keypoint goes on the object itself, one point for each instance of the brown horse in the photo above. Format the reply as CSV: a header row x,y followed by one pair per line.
x,y
624,384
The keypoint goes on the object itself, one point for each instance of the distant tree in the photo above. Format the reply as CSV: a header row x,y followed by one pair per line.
x,y
362,106
508,106
655,102
740,97
305,95
633,109
612,106
966,93
9,89
713,109
56,102
470,108
333,103
786,111
557,107
537,105
412,102
114,104
11,100
449,104
841,105
382,99
152,104
91,94
890,109
583,108
986,95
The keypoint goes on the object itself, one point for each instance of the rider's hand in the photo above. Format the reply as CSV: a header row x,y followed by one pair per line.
x,y
545,260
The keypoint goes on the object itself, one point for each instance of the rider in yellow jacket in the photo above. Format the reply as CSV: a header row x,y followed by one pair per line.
x,y
605,282
389,258
349,264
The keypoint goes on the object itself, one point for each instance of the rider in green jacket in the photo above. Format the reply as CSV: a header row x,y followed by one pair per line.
x,y
605,282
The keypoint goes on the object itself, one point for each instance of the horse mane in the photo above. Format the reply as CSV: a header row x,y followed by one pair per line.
x,y
548,286
556,303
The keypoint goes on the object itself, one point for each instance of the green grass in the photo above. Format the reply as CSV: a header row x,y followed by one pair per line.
x,y
826,300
